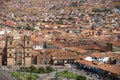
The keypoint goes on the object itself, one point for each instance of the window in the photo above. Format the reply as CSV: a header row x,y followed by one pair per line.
x,y
10,42
10,55
27,42
27,54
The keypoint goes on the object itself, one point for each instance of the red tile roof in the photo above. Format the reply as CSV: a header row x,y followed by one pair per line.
x,y
106,67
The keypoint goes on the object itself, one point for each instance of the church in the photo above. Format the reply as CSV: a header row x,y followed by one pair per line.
x,y
18,49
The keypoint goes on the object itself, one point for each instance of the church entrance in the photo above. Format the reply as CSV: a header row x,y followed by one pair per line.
x,y
18,58
19,55
34,59
19,62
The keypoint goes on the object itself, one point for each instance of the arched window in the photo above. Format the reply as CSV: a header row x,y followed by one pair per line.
x,y
10,55
27,54
10,42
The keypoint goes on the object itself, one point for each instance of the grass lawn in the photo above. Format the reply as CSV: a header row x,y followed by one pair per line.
x,y
71,75
67,74
21,76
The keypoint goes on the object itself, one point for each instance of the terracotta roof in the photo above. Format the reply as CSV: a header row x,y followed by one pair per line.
x,y
110,68
77,49
99,55
57,43
108,54
9,23
36,38
106,67
82,56
93,46
116,43
88,63
60,54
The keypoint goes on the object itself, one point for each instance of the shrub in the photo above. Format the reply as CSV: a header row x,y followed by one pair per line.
x,y
41,70
49,69
32,69
80,78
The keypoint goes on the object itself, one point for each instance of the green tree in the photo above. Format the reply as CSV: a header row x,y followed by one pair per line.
x,y
32,69
49,69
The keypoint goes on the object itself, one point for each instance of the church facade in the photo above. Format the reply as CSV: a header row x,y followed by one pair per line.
x,y
18,50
